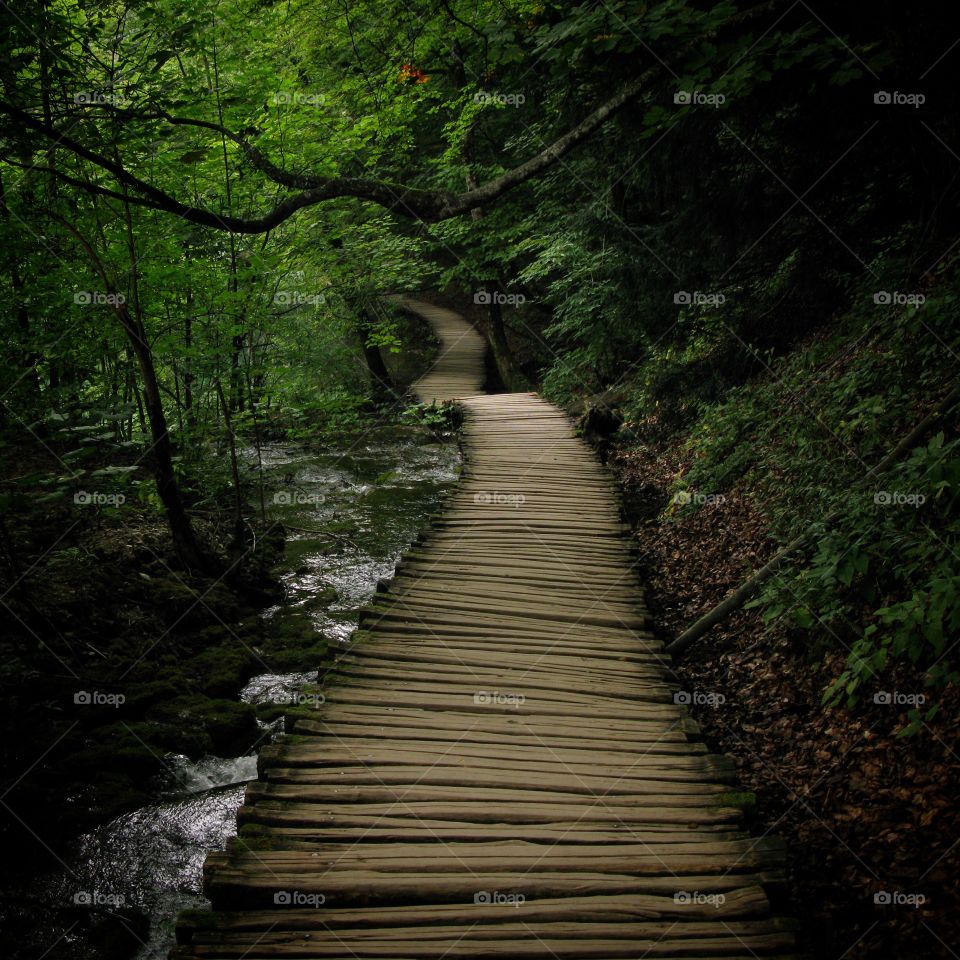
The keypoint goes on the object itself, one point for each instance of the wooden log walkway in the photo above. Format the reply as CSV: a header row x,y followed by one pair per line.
x,y
499,769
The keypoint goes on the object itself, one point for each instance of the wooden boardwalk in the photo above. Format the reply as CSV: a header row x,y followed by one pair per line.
x,y
499,770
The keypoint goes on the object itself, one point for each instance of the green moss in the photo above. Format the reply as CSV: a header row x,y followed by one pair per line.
x,y
142,696
198,919
268,712
223,672
229,728
741,799
185,605
298,648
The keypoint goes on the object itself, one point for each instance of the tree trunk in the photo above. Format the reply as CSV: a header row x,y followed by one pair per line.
x,y
381,383
496,334
161,450
185,541
238,531
188,350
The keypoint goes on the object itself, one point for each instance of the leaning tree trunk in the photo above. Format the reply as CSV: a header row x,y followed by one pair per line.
x,y
185,541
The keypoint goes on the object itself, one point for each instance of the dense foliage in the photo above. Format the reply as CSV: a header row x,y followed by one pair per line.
x,y
723,234
204,205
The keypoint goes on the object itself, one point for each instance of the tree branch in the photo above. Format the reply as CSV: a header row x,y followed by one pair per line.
x,y
429,206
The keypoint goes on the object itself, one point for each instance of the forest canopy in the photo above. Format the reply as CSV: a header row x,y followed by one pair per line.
x,y
723,237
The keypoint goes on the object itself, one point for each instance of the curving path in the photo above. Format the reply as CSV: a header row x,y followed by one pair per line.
x,y
499,770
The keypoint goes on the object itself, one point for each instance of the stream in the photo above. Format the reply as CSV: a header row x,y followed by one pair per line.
x,y
366,503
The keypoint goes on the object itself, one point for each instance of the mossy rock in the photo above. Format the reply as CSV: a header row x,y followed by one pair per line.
x,y
142,696
288,631
185,606
116,793
268,712
301,658
322,598
136,748
222,673
284,629
209,637
198,919
229,727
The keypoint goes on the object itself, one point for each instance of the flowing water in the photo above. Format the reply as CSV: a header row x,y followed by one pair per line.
x,y
349,514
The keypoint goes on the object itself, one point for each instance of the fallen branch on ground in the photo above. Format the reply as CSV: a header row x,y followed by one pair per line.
x,y
740,596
